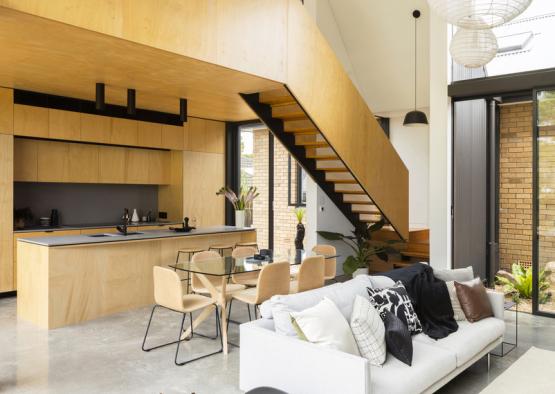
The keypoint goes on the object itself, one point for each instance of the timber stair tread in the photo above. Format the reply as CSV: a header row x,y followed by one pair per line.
x,y
365,208
330,165
320,153
310,140
276,96
299,125
288,111
340,177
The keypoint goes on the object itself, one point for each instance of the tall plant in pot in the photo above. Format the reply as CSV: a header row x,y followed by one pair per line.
x,y
363,246
241,203
299,213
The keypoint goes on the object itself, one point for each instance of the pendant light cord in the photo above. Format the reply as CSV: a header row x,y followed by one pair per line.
x,y
415,63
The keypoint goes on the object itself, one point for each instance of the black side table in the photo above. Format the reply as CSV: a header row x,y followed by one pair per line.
x,y
507,347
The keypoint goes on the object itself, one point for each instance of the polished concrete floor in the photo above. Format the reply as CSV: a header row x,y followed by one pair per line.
x,y
104,356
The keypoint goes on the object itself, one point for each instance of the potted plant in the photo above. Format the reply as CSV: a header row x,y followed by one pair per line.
x,y
240,202
363,247
299,213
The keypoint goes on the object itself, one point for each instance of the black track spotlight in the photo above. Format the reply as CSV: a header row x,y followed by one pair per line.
x,y
183,110
100,97
131,103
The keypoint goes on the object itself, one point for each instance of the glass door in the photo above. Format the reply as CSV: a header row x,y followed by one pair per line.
x,y
544,202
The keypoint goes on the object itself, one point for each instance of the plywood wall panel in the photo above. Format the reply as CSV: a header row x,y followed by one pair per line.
x,y
6,213
203,176
6,111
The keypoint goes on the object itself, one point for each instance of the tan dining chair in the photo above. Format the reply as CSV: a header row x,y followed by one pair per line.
x,y
196,284
168,293
249,279
330,264
311,275
272,280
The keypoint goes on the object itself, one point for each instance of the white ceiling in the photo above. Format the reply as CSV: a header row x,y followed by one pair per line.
x,y
378,39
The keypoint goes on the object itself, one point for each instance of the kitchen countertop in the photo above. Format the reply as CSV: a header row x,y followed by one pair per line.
x,y
72,240
86,226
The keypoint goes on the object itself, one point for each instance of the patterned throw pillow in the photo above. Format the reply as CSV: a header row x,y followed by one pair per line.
x,y
369,331
396,300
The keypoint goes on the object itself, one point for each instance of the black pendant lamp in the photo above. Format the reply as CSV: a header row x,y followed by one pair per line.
x,y
415,118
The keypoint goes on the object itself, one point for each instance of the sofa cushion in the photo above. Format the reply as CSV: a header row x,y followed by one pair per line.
x,y
469,340
368,330
324,325
397,338
474,301
458,274
429,365
458,312
396,300
342,295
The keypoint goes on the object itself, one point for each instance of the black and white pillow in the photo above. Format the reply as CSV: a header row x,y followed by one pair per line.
x,y
396,300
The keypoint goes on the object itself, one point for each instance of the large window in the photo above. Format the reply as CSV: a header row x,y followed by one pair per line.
x,y
524,44
281,182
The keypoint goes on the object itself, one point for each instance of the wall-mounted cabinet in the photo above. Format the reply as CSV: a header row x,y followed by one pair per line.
x,y
25,160
55,161
30,121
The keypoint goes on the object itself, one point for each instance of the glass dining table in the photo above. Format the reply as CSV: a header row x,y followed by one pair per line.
x,y
225,267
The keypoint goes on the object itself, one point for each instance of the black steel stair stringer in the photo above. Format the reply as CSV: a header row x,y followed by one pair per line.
x,y
275,125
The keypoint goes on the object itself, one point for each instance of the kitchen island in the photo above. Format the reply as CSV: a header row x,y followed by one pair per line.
x,y
66,280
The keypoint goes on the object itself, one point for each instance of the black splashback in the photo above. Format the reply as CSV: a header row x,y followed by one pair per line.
x,y
79,203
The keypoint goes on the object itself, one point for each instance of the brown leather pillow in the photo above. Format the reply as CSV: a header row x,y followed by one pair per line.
x,y
474,301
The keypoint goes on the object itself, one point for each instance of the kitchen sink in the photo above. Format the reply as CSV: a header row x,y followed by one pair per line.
x,y
114,234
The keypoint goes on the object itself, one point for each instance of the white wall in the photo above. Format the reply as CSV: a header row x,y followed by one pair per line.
x,y
440,147
323,215
412,144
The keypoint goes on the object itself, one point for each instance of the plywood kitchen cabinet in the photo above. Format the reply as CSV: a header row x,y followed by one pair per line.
x,y
34,234
30,121
137,166
53,161
124,132
25,160
149,134
83,163
112,165
203,135
159,172
172,137
64,125
215,136
96,128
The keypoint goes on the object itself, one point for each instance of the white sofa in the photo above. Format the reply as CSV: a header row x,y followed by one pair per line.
x,y
269,359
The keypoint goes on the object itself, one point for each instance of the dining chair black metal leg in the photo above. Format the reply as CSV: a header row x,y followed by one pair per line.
x,y
255,316
148,328
249,309
202,335
199,357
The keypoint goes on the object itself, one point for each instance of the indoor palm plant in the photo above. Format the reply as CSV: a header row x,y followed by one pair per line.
x,y
363,246
241,202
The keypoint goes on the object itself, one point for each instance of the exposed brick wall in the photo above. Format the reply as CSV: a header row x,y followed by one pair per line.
x,y
515,188
284,218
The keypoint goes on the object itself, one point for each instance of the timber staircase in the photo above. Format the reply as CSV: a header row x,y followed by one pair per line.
x,y
290,124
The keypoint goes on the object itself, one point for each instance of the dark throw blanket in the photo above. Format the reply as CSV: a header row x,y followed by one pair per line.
x,y
429,297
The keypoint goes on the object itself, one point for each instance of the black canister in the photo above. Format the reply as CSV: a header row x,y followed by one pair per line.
x,y
54,218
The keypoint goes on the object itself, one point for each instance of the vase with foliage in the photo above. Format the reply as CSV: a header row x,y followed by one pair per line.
x,y
363,246
241,202
519,283
299,238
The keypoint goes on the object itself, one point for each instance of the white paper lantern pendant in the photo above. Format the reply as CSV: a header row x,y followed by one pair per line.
x,y
473,48
479,14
